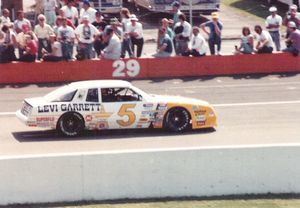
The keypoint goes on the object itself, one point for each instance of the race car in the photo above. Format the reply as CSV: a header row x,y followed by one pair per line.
x,y
113,104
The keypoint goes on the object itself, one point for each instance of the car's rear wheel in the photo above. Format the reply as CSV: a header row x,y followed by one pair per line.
x,y
71,124
177,120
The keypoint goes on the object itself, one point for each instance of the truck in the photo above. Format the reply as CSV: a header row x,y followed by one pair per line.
x,y
198,6
288,2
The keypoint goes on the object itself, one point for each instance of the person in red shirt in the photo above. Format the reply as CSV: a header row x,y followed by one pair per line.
x,y
31,50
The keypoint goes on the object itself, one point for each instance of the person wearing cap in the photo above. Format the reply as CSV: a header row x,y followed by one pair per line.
x,y
43,31
55,54
197,45
20,21
135,32
293,39
273,23
87,10
126,40
70,11
264,40
182,35
291,16
99,22
215,32
66,36
50,7
85,34
176,11
165,47
113,49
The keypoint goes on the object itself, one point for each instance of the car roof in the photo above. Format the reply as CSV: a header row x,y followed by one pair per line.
x,y
100,84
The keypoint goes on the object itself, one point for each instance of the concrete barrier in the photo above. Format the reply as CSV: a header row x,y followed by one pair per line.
x,y
150,173
145,68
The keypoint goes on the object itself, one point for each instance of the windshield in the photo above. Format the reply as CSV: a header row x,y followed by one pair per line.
x,y
62,94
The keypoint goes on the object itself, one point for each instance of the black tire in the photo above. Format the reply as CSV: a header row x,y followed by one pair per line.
x,y
71,124
177,120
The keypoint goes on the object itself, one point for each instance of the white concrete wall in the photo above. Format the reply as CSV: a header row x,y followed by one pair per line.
x,y
143,174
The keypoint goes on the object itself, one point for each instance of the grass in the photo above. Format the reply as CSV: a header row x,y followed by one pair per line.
x,y
192,203
258,8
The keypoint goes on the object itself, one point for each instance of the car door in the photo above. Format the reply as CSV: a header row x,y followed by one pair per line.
x,y
124,108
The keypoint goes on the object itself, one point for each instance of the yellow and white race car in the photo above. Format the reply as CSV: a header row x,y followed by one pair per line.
x,y
113,104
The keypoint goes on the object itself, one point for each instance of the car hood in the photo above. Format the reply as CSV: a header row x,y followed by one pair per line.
x,y
178,100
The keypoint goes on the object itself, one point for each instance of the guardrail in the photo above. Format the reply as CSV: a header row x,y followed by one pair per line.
x,y
145,68
150,174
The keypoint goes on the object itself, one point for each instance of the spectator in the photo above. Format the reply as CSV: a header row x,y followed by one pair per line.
x,y
265,42
293,39
182,35
43,31
115,26
135,32
30,50
291,16
50,7
66,37
7,48
21,39
69,21
56,51
273,23
70,12
20,21
58,24
247,42
113,49
215,32
99,23
85,34
176,12
197,45
126,40
165,23
4,19
87,10
165,47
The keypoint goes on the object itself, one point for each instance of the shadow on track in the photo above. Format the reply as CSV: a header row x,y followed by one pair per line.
x,y
53,135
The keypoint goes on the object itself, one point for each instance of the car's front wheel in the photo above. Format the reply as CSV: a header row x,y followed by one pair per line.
x,y
177,120
71,124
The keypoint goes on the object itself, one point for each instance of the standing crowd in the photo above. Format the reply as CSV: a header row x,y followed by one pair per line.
x,y
68,32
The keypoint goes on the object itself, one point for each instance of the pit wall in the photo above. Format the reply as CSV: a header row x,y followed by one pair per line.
x,y
150,174
145,68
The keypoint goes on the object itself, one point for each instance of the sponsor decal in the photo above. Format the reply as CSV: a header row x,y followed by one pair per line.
x,y
200,123
92,126
102,113
144,120
139,126
69,107
200,118
102,125
148,105
199,112
45,121
89,118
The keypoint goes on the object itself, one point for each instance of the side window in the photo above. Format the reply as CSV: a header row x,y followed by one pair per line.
x,y
108,95
127,95
92,95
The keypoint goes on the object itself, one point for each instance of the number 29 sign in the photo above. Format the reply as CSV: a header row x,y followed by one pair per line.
x,y
129,68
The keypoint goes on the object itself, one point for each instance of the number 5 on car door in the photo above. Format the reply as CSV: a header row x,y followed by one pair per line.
x,y
127,115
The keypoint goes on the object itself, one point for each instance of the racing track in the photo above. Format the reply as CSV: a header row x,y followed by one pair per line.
x,y
256,109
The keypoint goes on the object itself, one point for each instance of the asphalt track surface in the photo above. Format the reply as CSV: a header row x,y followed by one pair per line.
x,y
252,110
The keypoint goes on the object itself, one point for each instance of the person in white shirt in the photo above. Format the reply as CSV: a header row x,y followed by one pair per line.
x,y
182,34
49,11
197,45
4,19
85,34
20,21
126,40
273,23
135,32
87,10
265,42
43,31
66,37
113,50
71,12
56,51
